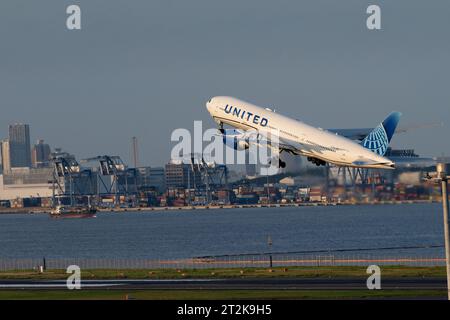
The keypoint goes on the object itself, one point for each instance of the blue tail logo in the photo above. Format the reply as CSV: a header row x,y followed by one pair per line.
x,y
378,140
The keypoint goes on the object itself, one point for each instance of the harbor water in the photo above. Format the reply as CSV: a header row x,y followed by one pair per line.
x,y
407,229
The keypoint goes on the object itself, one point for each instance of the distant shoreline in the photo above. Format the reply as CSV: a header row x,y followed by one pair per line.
x,y
44,210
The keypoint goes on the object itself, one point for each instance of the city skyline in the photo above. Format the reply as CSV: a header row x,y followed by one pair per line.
x,y
40,150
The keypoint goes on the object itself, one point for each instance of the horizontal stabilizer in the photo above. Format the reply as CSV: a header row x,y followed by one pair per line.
x,y
370,163
363,163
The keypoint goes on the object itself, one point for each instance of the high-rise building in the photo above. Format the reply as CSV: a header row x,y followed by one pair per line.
x,y
19,144
40,154
6,160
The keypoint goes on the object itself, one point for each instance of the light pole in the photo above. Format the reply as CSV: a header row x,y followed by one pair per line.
x,y
269,243
441,176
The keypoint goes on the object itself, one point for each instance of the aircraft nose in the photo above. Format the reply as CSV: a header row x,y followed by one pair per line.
x,y
209,105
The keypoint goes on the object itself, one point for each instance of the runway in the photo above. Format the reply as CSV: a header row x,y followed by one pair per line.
x,y
234,284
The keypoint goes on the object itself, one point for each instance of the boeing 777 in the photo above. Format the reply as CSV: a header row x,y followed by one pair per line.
x,y
318,145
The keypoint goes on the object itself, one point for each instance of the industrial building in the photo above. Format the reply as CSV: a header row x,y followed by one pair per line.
x,y
151,177
26,183
182,175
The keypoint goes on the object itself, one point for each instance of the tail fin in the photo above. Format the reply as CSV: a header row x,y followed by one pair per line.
x,y
378,140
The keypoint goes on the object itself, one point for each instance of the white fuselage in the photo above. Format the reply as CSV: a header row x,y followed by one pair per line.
x,y
295,136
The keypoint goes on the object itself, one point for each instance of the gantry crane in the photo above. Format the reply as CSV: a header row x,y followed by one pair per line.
x,y
112,166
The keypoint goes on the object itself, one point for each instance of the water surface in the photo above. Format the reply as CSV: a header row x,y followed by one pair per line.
x,y
184,234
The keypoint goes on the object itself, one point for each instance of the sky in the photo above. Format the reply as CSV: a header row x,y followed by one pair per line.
x,y
144,68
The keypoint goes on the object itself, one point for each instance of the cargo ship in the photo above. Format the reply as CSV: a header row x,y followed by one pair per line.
x,y
73,211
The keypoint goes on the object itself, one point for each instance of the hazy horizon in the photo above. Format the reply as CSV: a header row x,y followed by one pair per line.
x,y
146,68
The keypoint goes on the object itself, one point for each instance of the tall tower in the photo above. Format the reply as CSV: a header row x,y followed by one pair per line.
x,y
19,144
135,152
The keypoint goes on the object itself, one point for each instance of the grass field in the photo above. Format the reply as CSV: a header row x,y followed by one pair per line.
x,y
307,272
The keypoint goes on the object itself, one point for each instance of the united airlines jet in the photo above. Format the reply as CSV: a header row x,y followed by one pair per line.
x,y
318,145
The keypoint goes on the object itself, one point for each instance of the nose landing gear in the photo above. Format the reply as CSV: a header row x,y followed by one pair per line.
x,y
221,130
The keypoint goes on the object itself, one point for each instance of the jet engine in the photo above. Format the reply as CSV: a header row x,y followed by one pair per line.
x,y
235,139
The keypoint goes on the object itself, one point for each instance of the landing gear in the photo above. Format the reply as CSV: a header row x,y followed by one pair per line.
x,y
316,161
221,130
281,163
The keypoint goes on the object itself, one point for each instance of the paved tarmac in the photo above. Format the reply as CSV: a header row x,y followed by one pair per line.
x,y
235,284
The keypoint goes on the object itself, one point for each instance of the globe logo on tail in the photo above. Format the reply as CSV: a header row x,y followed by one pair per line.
x,y
377,141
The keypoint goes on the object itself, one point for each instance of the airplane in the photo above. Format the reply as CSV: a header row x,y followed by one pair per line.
x,y
320,146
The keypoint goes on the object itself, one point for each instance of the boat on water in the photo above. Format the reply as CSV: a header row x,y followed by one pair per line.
x,y
73,211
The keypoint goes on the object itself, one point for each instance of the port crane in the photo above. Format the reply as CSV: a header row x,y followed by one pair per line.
x,y
114,167
212,174
64,166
